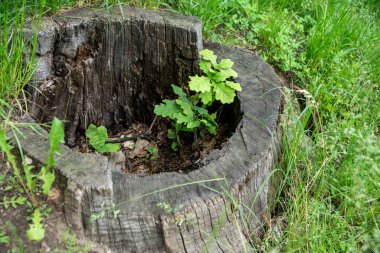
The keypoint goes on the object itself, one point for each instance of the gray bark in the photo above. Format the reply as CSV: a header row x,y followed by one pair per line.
x,y
111,68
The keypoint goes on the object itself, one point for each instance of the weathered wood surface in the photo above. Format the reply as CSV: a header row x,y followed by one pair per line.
x,y
210,222
110,68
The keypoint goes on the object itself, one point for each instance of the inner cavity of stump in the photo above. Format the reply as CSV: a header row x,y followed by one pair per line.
x,y
113,73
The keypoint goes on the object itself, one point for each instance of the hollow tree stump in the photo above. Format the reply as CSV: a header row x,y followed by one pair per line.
x,y
111,68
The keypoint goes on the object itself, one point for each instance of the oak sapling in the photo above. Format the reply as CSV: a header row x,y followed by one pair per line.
x,y
190,113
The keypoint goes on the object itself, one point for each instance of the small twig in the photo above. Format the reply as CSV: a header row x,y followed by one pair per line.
x,y
220,113
151,125
134,137
196,142
128,138
128,162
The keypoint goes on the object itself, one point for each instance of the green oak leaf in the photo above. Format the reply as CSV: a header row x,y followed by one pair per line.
x,y
225,74
202,111
224,93
181,118
234,85
209,55
211,117
206,97
200,83
212,130
178,90
211,127
189,113
185,106
206,67
225,64
167,109
193,124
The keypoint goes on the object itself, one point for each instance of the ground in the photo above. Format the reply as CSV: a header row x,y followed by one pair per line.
x,y
59,237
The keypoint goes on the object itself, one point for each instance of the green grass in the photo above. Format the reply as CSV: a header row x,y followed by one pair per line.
x,y
330,165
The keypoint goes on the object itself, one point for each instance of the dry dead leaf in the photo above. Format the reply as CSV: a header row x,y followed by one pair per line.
x,y
128,144
140,149
53,194
28,160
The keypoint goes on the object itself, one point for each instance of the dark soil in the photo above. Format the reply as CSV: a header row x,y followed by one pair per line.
x,y
150,150
14,223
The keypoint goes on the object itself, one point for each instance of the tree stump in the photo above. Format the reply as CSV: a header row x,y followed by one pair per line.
x,y
102,67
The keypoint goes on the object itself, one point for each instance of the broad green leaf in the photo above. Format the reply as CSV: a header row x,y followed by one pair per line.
x,y
178,90
206,97
185,106
225,74
200,83
48,180
212,130
193,124
210,125
234,85
211,118
36,231
206,67
209,56
56,136
109,147
202,111
97,137
225,64
181,118
167,109
184,128
188,113
224,93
